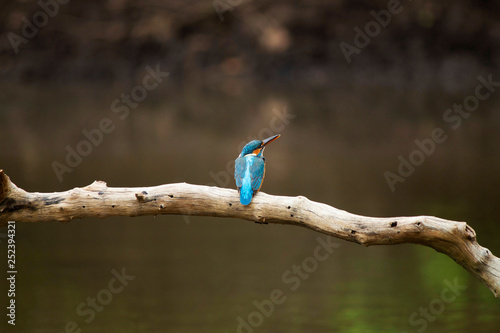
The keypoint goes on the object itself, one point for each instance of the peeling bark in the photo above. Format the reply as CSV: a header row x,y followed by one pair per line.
x,y
455,239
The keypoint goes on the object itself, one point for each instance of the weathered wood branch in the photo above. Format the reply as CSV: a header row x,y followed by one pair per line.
x,y
455,239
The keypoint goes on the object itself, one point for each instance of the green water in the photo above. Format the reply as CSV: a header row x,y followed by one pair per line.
x,y
201,274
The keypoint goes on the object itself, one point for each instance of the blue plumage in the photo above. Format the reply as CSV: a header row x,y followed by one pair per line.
x,y
250,169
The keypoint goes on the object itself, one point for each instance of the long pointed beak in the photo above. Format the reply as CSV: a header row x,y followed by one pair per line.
x,y
269,140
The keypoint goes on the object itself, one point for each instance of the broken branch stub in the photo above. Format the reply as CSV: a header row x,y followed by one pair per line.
x,y
455,239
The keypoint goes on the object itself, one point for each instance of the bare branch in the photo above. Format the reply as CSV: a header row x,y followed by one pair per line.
x,y
455,239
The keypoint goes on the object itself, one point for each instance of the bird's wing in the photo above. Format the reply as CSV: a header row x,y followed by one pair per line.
x,y
239,171
257,171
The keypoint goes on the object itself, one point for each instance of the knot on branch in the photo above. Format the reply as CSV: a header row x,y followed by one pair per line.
x,y
470,233
141,196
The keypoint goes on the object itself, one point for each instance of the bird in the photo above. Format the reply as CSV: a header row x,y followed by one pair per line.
x,y
250,168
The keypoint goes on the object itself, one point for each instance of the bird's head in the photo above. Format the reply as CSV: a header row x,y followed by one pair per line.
x,y
256,147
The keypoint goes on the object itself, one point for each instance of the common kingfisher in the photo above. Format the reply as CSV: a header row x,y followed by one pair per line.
x,y
250,168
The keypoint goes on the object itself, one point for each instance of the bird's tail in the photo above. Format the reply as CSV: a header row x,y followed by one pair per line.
x,y
246,194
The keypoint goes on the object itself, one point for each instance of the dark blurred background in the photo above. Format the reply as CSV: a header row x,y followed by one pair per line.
x,y
239,70
427,43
